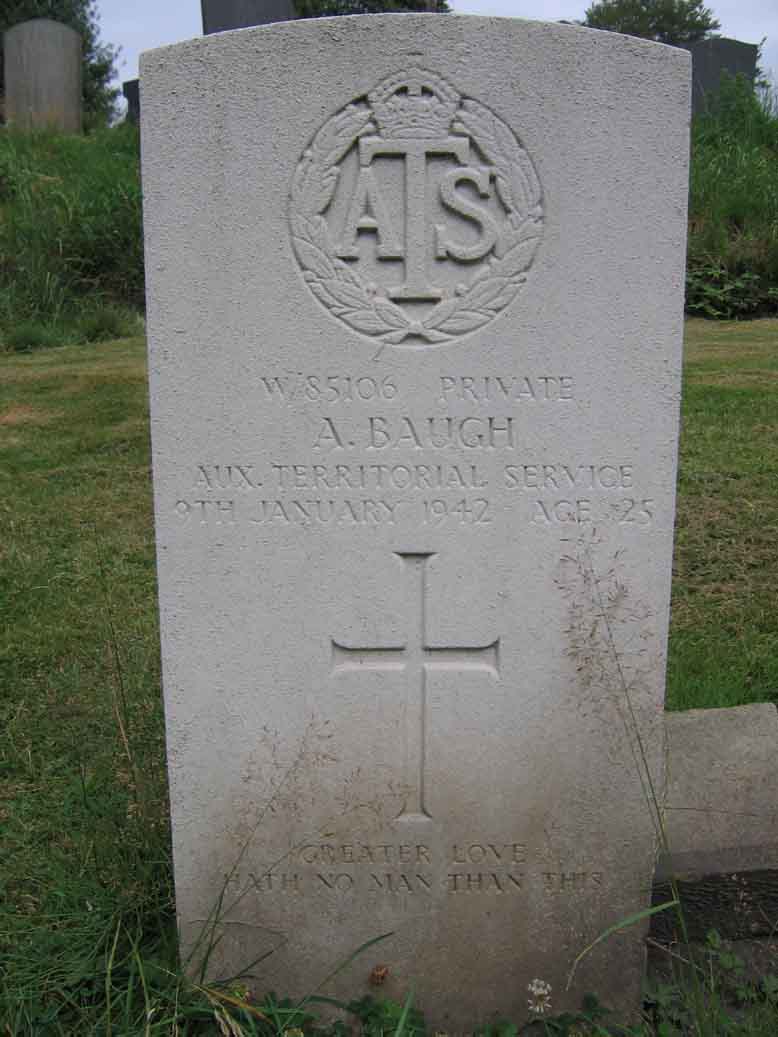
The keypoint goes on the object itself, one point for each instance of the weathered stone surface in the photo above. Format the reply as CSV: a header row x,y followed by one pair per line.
x,y
721,820
415,324
722,790
42,71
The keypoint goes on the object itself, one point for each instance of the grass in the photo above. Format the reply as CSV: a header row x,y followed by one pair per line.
x,y
732,263
88,843
724,633
71,245
86,927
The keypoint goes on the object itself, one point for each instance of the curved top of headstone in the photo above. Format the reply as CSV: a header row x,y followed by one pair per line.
x,y
42,61
51,25
452,24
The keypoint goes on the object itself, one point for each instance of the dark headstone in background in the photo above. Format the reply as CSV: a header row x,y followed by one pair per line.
x,y
712,57
131,92
222,15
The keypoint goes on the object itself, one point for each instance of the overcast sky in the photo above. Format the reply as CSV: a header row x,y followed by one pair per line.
x,y
142,24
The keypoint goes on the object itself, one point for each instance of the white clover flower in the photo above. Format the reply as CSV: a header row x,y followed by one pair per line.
x,y
540,999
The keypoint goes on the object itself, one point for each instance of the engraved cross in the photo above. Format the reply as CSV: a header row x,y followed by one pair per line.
x,y
415,659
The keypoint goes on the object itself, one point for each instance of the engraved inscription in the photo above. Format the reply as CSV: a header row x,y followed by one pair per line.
x,y
483,882
415,658
604,479
415,213
364,853
225,477
333,389
470,433
365,468
556,883
378,477
485,867
505,388
402,883
491,853
421,495
272,882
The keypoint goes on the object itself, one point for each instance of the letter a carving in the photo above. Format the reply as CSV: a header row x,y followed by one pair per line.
x,y
367,212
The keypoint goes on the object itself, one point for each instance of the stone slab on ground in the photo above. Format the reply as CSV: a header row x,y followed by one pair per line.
x,y
415,292
721,811
722,823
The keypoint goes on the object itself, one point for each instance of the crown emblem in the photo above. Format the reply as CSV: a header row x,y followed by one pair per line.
x,y
414,104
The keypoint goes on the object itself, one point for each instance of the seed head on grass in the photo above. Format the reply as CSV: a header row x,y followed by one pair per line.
x,y
228,1027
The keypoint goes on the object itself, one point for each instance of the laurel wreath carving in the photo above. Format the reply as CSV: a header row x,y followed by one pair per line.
x,y
348,296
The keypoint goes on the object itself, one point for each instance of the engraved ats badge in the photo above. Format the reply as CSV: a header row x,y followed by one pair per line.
x,y
415,213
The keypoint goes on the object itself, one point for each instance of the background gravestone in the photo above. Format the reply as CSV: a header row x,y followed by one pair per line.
x,y
42,63
711,58
131,91
414,466
222,15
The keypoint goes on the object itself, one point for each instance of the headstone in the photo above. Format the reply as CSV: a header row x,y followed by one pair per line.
x,y
714,57
42,70
222,15
415,312
131,91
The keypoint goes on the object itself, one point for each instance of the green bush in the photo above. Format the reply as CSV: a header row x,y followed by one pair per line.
x,y
30,335
70,224
105,322
732,268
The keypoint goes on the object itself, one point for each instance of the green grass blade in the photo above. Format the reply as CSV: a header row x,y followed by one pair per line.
x,y
402,1021
108,981
625,923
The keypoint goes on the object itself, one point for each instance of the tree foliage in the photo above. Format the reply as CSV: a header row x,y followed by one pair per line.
x,y
322,8
665,21
99,59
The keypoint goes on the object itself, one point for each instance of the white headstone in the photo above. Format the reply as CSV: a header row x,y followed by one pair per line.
x,y
415,292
